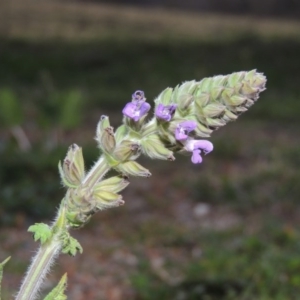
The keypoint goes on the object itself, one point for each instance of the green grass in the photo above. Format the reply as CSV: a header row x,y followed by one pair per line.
x,y
233,265
107,72
73,21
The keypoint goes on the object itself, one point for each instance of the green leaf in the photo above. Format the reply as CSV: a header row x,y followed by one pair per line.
x,y
1,271
71,245
58,293
40,232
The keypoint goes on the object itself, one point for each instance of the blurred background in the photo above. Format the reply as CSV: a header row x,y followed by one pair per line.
x,y
226,229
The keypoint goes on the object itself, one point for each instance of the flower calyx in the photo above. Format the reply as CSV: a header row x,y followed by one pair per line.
x,y
105,135
153,147
72,169
132,168
127,150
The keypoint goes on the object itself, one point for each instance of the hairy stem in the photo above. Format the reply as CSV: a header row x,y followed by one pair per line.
x,y
43,260
49,251
38,270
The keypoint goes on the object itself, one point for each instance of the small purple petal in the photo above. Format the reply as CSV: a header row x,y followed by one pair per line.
x,y
165,112
144,108
129,109
198,147
136,110
138,96
204,145
196,157
183,129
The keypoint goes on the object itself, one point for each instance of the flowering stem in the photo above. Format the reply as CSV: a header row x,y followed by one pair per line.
x,y
97,172
43,260
49,251
38,270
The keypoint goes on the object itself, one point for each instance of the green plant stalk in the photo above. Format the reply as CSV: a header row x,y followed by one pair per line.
x,y
39,268
97,172
49,251
43,260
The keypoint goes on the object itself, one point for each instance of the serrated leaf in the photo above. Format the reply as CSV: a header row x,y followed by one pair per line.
x,y
1,271
40,232
58,293
71,246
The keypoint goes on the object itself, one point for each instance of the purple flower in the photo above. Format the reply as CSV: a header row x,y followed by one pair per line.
x,y
138,96
165,112
183,129
197,147
138,107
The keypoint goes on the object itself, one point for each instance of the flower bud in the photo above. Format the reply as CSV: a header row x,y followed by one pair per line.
x,y
72,169
260,81
166,131
80,206
229,116
202,131
240,109
205,84
106,199
235,78
201,101
248,90
133,168
105,135
185,102
108,142
187,87
236,100
216,92
79,198
127,150
77,219
102,124
120,133
215,123
164,97
153,147
113,184
213,110
220,80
